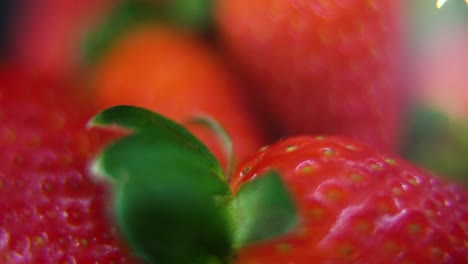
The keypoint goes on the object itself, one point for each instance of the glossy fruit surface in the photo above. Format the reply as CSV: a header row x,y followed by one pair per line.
x,y
358,206
51,211
321,67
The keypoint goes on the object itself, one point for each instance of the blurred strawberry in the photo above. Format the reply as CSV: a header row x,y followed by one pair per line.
x,y
59,29
48,34
50,209
174,73
326,67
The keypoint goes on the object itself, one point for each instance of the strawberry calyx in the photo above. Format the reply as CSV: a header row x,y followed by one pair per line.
x,y
223,138
191,15
171,199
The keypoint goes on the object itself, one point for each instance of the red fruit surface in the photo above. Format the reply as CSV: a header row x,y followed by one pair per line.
x,y
175,74
358,206
320,67
50,209
49,34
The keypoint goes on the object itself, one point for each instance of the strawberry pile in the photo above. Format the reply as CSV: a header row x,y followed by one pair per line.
x,y
215,132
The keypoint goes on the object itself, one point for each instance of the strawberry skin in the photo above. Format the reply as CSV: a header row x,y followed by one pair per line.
x,y
358,206
320,66
50,209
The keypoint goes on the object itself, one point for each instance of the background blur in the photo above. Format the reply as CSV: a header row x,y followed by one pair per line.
x,y
46,36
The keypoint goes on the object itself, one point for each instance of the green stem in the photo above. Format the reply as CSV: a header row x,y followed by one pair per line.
x,y
223,138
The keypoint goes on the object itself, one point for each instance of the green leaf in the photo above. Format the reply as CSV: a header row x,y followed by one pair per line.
x,y
166,190
194,15
263,209
140,120
223,138
163,227
171,201
166,201
191,14
122,17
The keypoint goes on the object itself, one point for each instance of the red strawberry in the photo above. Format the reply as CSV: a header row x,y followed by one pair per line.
x,y
341,201
50,210
320,66
359,206
57,29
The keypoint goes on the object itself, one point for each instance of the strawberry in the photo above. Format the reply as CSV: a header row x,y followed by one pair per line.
x,y
300,200
60,30
320,66
50,210
359,206
57,29
172,72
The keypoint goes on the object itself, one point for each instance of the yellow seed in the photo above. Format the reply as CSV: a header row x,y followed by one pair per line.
x,y
414,228
38,241
328,152
264,148
84,242
356,177
390,161
391,246
302,232
351,147
464,225
9,136
363,226
429,213
376,166
291,148
284,247
397,191
307,170
437,252
316,213
334,195
383,208
346,250
453,240
413,182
